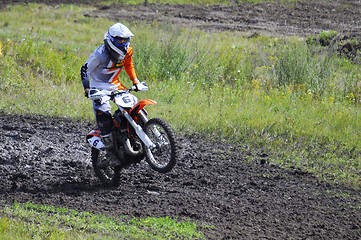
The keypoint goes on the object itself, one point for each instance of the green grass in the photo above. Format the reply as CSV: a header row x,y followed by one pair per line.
x,y
280,94
298,102
31,221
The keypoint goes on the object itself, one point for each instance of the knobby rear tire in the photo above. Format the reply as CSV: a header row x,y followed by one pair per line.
x,y
163,158
110,176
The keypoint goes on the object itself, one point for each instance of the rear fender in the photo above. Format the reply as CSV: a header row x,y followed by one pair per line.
x,y
93,132
94,139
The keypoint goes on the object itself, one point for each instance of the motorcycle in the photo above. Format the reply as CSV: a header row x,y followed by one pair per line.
x,y
134,137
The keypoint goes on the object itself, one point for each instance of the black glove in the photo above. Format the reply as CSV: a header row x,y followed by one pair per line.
x,y
86,92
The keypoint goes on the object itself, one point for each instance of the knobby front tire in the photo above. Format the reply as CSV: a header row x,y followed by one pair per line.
x,y
163,157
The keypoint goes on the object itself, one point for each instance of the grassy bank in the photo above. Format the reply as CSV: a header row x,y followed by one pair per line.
x,y
30,221
297,102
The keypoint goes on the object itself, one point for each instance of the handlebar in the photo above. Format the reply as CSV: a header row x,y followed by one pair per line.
x,y
96,94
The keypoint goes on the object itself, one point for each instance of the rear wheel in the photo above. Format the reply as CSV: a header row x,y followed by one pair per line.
x,y
109,176
163,157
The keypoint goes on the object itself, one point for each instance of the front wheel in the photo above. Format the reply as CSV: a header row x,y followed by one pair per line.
x,y
109,176
163,157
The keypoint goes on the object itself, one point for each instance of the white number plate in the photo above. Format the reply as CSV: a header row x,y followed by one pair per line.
x,y
126,100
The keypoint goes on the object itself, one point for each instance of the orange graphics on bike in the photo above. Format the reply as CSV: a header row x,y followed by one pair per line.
x,y
141,104
134,137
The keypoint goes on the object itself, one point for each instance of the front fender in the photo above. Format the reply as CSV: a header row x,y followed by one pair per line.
x,y
140,105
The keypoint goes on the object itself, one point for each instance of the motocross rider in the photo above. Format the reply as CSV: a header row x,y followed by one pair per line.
x,y
101,71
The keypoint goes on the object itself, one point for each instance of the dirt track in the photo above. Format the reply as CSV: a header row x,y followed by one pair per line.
x,y
276,19
46,161
295,18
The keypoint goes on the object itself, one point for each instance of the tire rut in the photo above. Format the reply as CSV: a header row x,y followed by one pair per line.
x,y
47,161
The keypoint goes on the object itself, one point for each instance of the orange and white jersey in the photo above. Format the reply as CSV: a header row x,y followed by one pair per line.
x,y
100,72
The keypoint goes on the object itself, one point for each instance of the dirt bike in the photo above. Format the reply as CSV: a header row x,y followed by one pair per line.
x,y
134,137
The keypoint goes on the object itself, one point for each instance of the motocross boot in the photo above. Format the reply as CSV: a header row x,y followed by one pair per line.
x,y
110,157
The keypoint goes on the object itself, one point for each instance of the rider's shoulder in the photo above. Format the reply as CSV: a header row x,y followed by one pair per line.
x,y
101,53
101,50
130,51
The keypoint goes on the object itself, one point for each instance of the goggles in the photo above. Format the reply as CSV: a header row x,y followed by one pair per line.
x,y
118,41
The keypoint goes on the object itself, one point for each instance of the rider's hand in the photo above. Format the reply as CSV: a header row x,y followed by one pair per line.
x,y
141,87
86,92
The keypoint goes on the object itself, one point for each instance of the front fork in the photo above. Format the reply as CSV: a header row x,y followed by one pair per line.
x,y
138,129
145,119
143,116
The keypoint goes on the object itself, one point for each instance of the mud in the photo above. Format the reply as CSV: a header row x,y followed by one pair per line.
x,y
301,18
297,18
233,188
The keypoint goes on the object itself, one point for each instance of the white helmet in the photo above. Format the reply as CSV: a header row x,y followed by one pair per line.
x,y
117,41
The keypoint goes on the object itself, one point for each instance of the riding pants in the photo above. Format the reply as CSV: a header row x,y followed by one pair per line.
x,y
102,111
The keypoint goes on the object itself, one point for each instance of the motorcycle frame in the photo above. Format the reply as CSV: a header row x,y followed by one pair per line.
x,y
137,109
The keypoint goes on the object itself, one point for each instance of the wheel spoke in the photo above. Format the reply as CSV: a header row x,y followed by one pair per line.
x,y
163,157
